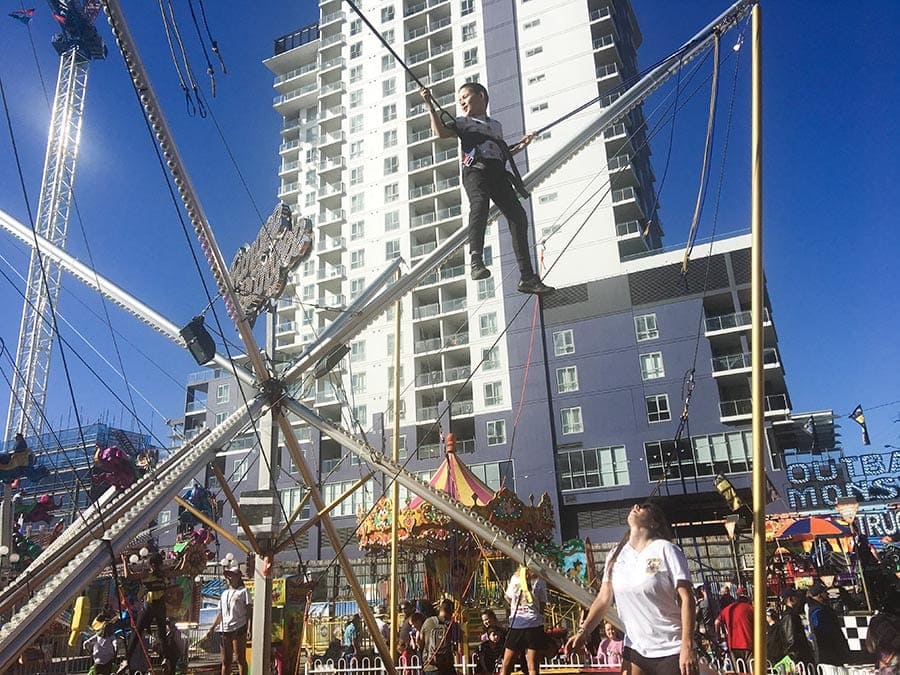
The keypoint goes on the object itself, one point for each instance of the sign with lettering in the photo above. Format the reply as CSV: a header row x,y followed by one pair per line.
x,y
820,483
260,270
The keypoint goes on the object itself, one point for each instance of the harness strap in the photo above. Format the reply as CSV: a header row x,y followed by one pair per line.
x,y
469,140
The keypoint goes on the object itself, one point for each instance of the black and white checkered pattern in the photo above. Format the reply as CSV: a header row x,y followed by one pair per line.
x,y
855,628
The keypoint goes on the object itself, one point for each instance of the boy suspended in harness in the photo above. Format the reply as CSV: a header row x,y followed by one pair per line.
x,y
484,176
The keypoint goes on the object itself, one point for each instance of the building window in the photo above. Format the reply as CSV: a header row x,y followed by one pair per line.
x,y
356,175
358,350
221,417
567,379
163,518
470,57
571,420
392,249
355,26
539,107
495,474
474,77
469,32
391,221
387,62
645,327
357,203
357,259
592,468
223,393
362,499
361,415
356,149
488,255
356,74
391,192
485,289
534,51
356,99
652,367
389,113
389,87
534,23
358,383
391,370
309,292
390,139
467,7
563,342
241,469
356,50
493,393
490,358
488,324
547,198
357,230
291,498
388,36
496,432
356,124
658,408
387,14
534,79
356,287
391,165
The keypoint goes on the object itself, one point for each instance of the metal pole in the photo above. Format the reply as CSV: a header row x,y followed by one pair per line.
x,y
756,354
395,486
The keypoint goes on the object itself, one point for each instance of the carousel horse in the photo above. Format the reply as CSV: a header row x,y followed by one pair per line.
x,y
112,467
38,511
21,464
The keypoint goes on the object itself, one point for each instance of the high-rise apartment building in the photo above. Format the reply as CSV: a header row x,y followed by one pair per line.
x,y
579,396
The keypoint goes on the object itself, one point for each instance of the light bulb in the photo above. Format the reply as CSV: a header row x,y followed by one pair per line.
x,y
198,579
4,550
13,558
144,552
229,556
223,562
133,559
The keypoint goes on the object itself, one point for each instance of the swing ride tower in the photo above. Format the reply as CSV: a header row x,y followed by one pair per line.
x,y
78,45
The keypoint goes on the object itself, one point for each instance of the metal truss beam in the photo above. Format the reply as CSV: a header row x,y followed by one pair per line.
x,y
111,292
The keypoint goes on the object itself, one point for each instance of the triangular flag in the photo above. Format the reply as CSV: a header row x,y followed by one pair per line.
x,y
23,15
860,418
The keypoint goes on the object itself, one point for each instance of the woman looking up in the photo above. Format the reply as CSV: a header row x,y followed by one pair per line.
x,y
647,575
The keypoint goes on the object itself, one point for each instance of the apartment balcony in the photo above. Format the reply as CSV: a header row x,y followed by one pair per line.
x,y
331,190
430,379
449,342
732,323
421,108
287,189
290,147
330,217
285,327
418,136
331,17
422,6
622,172
297,95
432,188
195,407
331,41
607,72
462,408
331,272
436,309
600,14
741,410
627,204
420,163
445,274
434,450
445,156
332,88
288,167
740,364
619,139
332,113
331,245
296,73
334,163
337,62
458,373
435,216
420,250
327,395
330,139
457,409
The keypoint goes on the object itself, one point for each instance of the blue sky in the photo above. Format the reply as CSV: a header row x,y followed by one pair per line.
x,y
831,101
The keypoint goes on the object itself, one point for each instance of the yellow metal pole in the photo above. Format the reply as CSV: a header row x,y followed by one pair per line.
x,y
395,488
218,529
756,351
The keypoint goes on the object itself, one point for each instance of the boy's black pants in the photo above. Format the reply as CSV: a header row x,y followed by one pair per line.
x,y
491,183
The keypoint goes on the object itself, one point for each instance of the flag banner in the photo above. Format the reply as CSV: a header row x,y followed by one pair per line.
x,y
860,418
23,15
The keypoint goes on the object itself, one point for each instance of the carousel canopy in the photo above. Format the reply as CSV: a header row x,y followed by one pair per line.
x,y
421,526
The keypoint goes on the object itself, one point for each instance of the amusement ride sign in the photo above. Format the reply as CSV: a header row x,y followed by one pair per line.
x,y
821,483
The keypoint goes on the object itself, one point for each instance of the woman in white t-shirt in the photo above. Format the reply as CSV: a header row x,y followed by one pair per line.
x,y
234,617
647,576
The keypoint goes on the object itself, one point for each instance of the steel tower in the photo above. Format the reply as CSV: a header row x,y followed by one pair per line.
x,y
78,44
